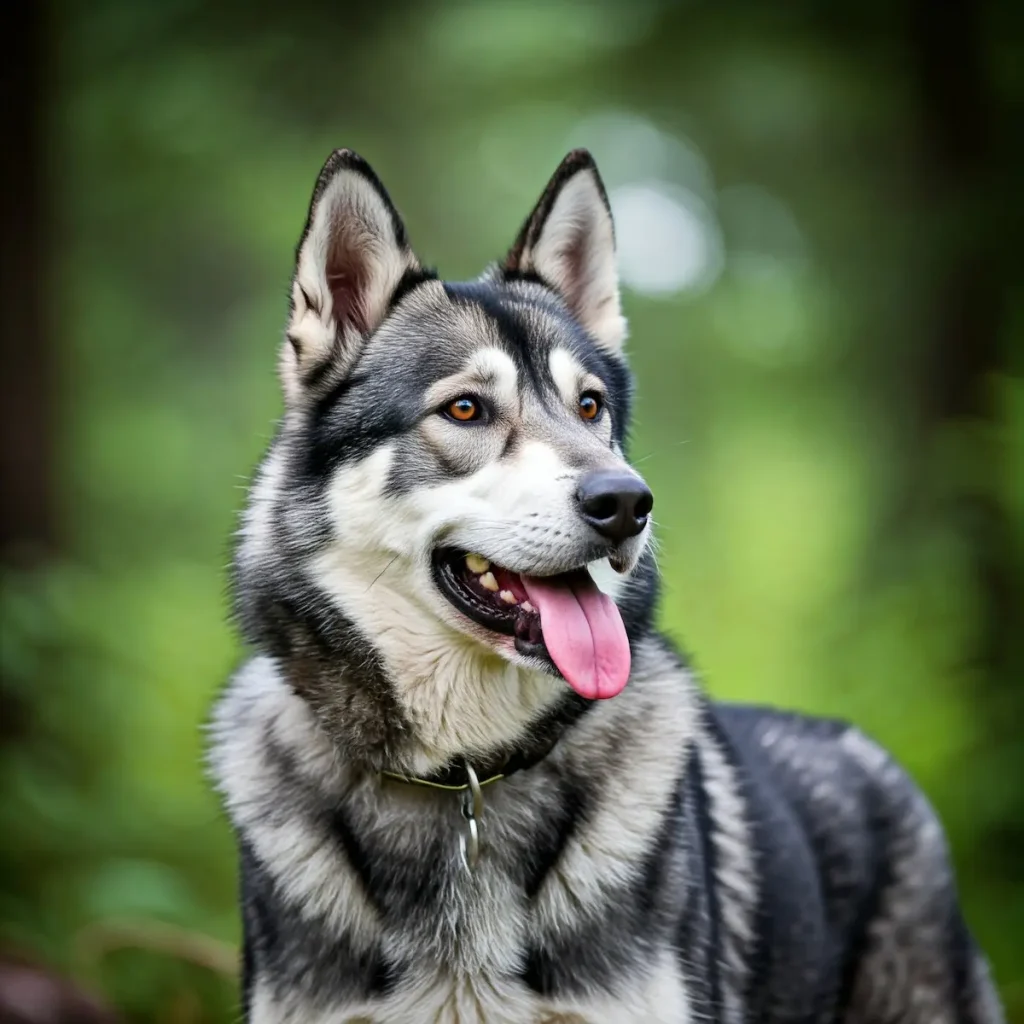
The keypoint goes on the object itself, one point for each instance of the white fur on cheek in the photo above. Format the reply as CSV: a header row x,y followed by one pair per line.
x,y
459,692
517,512
460,695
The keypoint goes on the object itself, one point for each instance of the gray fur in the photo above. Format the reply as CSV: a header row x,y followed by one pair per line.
x,y
667,859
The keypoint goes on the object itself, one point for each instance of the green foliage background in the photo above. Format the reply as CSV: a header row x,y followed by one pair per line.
x,y
826,538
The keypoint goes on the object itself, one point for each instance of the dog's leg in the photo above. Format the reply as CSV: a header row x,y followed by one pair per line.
x,y
248,967
918,963
928,980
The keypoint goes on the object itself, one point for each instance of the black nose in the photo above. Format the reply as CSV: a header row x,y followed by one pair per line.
x,y
616,503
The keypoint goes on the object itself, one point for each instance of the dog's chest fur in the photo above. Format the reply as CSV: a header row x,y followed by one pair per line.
x,y
445,998
358,906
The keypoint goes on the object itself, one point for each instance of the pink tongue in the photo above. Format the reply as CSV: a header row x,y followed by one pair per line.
x,y
583,632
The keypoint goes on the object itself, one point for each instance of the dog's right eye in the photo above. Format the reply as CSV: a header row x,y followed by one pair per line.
x,y
464,409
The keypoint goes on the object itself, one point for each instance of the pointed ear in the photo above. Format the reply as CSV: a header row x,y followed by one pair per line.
x,y
569,242
352,256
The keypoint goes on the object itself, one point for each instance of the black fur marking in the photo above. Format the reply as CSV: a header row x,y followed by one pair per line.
x,y
314,306
526,276
289,951
343,387
396,883
528,351
575,162
696,936
511,444
341,431
702,824
615,939
321,370
599,953
248,966
342,830
638,605
346,160
531,352
411,280
867,909
547,845
962,956
539,740
805,922
615,374
316,645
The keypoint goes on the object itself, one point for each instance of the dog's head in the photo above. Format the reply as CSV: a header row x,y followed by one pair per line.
x,y
450,461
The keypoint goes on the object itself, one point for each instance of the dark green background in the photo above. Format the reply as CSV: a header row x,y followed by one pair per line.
x,y
833,427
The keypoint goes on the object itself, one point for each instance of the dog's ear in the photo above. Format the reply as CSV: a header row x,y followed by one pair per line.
x,y
569,243
351,257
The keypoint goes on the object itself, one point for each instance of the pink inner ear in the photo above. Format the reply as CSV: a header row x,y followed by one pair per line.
x,y
348,279
574,256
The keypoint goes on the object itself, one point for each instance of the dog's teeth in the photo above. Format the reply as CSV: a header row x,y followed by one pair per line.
x,y
488,582
508,597
477,563
527,607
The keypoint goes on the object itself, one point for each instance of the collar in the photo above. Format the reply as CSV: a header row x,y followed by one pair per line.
x,y
462,773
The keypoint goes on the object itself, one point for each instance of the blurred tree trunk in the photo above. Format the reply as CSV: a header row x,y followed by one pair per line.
x,y
26,358
29,994
962,178
958,178
967,175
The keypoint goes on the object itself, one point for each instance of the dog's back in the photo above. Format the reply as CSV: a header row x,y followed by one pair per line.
x,y
857,891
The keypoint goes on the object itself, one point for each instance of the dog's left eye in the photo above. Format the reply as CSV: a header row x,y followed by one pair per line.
x,y
590,405
464,409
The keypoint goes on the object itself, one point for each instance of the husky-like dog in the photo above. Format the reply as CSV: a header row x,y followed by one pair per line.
x,y
469,779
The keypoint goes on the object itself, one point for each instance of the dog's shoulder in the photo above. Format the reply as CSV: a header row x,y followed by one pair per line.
x,y
825,770
851,859
825,787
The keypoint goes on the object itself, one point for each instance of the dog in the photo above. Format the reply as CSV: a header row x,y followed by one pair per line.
x,y
470,780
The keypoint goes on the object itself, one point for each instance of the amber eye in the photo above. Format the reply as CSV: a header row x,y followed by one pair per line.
x,y
590,405
464,409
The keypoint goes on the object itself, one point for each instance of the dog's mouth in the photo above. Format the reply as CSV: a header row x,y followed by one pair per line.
x,y
563,619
